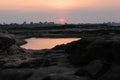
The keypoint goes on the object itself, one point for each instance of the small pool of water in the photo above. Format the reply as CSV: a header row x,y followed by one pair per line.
x,y
46,43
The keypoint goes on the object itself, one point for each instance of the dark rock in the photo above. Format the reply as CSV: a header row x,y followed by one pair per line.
x,y
47,78
105,50
85,50
5,43
112,74
97,68
100,49
2,62
82,72
58,77
94,70
116,51
77,52
14,49
59,47
94,67
11,74
35,63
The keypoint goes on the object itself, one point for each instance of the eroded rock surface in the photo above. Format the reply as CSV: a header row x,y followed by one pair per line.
x,y
91,58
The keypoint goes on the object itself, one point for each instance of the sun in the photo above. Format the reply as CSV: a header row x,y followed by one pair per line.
x,y
61,20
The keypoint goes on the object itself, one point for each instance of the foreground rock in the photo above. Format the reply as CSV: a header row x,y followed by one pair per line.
x,y
83,51
95,58
6,41
13,74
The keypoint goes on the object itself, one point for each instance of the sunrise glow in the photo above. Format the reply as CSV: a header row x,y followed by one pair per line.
x,y
40,4
55,4
59,11
61,20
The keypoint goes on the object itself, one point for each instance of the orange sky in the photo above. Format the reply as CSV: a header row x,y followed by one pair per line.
x,y
57,4
72,11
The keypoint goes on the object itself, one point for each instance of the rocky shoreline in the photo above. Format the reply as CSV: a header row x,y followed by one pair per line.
x,y
91,58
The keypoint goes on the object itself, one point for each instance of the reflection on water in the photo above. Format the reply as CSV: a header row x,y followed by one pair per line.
x,y
46,43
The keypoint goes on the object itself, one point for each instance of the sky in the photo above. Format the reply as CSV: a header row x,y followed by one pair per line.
x,y
60,11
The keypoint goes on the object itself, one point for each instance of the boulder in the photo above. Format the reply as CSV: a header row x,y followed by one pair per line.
x,y
14,49
82,72
112,74
94,70
6,41
77,52
105,49
86,50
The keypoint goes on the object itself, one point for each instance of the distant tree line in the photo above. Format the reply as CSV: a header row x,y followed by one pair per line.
x,y
52,25
28,25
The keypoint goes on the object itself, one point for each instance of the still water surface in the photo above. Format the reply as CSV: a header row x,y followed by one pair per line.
x,y
46,43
